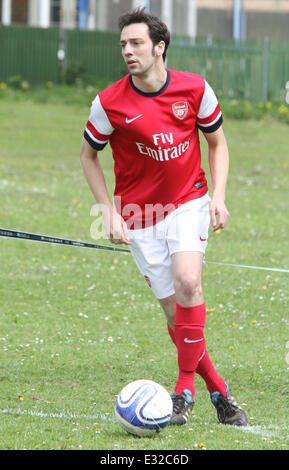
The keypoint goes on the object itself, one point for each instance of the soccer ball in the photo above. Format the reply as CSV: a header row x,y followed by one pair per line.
x,y
143,408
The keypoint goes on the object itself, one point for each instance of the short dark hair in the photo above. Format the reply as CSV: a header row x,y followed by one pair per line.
x,y
158,31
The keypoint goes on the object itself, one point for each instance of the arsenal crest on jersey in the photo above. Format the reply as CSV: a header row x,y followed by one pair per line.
x,y
180,109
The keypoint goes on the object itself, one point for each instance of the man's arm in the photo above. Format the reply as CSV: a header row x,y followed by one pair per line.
x,y
115,225
219,168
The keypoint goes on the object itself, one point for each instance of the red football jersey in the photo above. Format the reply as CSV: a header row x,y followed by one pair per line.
x,y
155,143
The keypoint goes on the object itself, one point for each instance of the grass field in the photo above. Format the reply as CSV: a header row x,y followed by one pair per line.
x,y
77,325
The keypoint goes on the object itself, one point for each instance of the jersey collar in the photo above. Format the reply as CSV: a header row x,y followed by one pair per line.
x,y
151,95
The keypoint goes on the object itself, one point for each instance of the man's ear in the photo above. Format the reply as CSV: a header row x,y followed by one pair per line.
x,y
160,48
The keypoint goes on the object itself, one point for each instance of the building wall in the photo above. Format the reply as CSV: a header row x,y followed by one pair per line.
x,y
274,25
115,9
215,22
264,18
179,20
20,11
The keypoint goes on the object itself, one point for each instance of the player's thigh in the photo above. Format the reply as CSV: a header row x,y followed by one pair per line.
x,y
152,257
187,268
188,226
187,239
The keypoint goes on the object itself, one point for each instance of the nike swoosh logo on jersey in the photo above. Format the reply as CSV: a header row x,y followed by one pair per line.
x,y
187,340
203,239
128,121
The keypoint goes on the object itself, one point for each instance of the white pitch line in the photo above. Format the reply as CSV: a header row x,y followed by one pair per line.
x,y
270,431
63,415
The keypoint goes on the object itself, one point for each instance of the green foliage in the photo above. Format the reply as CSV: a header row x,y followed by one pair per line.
x,y
79,88
76,74
14,82
262,111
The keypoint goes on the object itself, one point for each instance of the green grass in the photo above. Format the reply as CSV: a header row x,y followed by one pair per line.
x,y
77,325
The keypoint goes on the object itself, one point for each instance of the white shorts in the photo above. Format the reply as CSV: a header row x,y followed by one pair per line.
x,y
185,229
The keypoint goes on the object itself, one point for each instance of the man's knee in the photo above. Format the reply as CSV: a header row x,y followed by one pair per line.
x,y
188,285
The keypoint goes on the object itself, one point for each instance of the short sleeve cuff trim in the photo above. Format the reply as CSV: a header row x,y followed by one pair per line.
x,y
93,142
209,128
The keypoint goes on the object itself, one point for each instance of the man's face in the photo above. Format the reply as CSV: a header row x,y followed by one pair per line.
x,y
137,48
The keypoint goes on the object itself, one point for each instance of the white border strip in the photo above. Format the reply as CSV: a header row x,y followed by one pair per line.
x,y
63,415
269,431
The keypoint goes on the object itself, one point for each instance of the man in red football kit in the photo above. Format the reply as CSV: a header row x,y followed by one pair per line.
x,y
162,209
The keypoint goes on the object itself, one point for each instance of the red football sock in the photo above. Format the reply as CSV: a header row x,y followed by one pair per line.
x,y
189,339
204,368
171,333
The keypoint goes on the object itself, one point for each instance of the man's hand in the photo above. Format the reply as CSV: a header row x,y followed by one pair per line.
x,y
219,214
116,228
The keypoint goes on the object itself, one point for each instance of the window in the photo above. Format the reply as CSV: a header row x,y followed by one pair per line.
x,y
55,12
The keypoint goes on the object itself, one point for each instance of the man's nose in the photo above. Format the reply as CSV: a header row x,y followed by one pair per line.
x,y
127,50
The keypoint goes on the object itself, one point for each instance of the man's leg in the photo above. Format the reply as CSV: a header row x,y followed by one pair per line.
x,y
187,333
186,313
169,307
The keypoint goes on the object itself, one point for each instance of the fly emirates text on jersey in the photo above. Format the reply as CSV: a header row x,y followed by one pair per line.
x,y
160,153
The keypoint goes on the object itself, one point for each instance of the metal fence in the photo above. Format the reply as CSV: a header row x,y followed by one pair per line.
x,y
30,53
98,52
252,70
